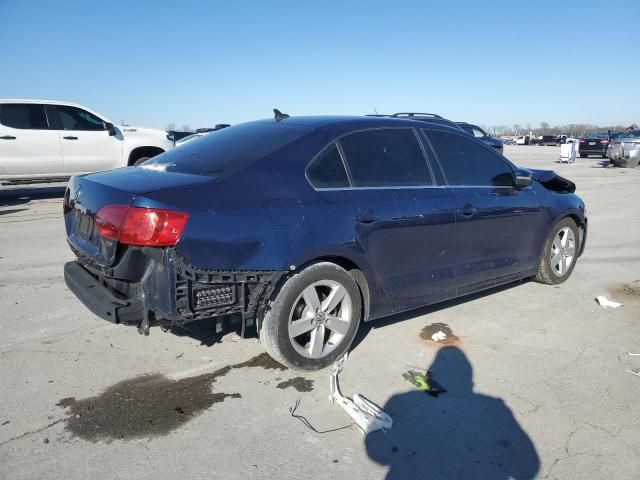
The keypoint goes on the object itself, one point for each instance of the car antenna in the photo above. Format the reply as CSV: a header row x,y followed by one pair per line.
x,y
279,115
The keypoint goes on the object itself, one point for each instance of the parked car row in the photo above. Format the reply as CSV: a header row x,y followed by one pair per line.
x,y
624,150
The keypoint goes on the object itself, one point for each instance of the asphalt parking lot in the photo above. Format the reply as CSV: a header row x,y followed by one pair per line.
x,y
536,376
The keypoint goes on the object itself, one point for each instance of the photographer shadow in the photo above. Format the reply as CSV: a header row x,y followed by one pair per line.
x,y
459,434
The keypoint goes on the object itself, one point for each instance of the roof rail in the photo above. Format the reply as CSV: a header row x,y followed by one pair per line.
x,y
414,114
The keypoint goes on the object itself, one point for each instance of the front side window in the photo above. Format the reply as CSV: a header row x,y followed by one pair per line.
x,y
478,133
466,162
327,170
24,116
385,158
73,118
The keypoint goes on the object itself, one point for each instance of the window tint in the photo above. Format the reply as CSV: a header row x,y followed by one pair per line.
x,y
73,118
478,133
465,162
24,115
327,170
385,158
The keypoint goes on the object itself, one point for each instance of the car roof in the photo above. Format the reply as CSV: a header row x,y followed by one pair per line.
x,y
357,122
33,100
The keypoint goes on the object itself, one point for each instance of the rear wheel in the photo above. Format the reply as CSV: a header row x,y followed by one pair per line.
x,y
313,318
604,155
560,253
583,155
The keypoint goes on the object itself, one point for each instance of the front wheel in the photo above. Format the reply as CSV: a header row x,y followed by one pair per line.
x,y
313,318
560,253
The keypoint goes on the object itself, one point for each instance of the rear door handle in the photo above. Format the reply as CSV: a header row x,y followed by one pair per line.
x,y
7,137
70,138
366,216
468,211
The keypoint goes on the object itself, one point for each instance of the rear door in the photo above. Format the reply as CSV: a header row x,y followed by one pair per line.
x,y
404,221
28,147
499,227
86,143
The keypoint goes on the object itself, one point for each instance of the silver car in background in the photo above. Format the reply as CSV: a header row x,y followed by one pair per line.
x,y
624,151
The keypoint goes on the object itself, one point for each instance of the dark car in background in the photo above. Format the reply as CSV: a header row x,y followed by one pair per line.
x,y
549,140
304,227
481,135
596,144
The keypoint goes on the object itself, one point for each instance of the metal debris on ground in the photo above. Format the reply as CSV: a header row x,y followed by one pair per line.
x,y
424,382
635,372
367,415
605,302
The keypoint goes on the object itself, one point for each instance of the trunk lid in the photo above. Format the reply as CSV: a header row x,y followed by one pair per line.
x,y
87,194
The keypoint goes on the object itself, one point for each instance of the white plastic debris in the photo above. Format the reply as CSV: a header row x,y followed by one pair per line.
x,y
439,335
368,416
605,302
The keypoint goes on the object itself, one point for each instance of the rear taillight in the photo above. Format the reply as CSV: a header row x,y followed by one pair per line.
x,y
583,141
604,141
149,227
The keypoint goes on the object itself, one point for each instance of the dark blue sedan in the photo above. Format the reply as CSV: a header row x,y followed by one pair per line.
x,y
304,227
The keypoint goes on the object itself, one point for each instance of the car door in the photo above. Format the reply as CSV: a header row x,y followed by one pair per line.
x,y
499,227
28,147
86,143
403,224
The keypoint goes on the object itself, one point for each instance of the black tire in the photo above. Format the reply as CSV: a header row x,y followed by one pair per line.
x,y
583,155
274,333
547,273
604,155
140,160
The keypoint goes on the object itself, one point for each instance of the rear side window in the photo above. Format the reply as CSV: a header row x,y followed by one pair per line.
x,y
466,162
24,116
223,152
327,170
385,158
73,118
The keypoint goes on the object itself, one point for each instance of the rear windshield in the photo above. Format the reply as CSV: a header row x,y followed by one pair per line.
x,y
228,150
598,135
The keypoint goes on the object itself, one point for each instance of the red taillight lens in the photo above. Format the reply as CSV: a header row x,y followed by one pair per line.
x,y
150,227
604,141
583,141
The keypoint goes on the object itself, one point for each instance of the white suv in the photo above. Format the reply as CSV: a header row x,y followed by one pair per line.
x,y
44,140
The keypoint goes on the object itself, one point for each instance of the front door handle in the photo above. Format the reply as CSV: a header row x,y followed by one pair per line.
x,y
7,137
70,138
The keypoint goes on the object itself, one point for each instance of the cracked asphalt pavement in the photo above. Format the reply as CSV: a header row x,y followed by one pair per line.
x,y
536,382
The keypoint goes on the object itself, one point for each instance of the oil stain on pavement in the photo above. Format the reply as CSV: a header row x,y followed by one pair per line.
x,y
439,333
150,405
629,290
299,383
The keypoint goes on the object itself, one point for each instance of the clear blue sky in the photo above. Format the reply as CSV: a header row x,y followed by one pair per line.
x,y
200,63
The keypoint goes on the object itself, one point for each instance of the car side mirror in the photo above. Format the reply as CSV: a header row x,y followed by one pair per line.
x,y
523,178
111,129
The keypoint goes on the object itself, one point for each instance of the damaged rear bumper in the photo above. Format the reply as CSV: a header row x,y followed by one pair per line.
x,y
161,282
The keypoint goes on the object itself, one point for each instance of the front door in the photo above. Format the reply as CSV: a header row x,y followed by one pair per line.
x,y
498,225
86,143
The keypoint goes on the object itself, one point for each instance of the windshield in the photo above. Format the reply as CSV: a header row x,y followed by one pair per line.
x,y
598,135
228,150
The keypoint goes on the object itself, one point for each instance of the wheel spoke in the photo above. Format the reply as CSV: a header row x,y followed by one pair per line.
x,y
333,299
299,327
338,325
563,265
316,342
565,236
310,296
555,260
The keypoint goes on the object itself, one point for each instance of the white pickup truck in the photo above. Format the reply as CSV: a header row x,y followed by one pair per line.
x,y
43,141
